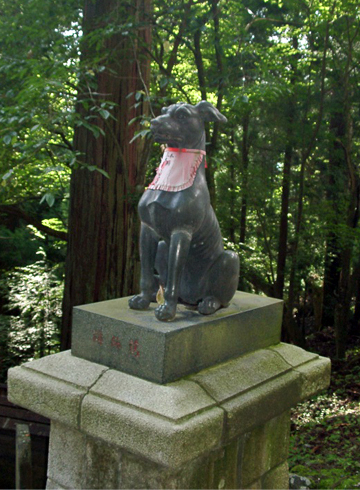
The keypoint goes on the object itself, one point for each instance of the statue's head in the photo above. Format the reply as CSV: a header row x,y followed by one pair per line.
x,y
182,125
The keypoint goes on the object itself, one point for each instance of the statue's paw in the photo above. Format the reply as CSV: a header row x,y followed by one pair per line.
x,y
139,302
209,305
165,312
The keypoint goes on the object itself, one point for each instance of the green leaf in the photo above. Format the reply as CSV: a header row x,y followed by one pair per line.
x,y
138,95
104,113
103,172
163,82
133,120
94,168
8,174
49,198
140,134
96,131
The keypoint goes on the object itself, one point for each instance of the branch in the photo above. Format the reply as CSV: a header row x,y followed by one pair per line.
x,y
199,64
313,139
275,21
64,139
16,211
220,67
179,36
218,51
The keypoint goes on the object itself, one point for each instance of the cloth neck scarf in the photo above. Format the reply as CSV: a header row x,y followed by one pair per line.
x,y
177,169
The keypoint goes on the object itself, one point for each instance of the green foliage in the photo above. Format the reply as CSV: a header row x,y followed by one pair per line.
x,y
284,73
17,247
38,77
325,438
30,327
286,76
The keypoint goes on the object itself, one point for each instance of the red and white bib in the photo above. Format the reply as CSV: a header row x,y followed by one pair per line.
x,y
177,169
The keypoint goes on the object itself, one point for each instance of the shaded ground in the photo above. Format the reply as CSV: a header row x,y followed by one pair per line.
x,y
325,435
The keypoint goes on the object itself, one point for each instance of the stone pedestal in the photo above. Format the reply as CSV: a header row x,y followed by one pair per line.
x,y
225,426
135,342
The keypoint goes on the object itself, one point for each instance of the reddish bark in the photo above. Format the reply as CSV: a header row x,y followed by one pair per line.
x,y
102,261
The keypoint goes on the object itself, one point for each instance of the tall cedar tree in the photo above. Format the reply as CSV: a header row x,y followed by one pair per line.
x,y
102,260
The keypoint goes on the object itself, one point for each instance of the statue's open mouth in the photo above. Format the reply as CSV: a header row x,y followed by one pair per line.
x,y
165,137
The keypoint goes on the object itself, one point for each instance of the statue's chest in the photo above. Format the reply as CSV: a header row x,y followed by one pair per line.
x,y
177,170
165,212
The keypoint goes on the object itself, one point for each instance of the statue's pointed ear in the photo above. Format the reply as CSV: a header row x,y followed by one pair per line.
x,y
209,113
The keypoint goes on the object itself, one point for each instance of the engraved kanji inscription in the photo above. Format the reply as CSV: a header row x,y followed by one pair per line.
x,y
134,348
98,337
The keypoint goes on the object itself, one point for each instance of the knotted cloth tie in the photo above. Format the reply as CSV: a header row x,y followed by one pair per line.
x,y
177,169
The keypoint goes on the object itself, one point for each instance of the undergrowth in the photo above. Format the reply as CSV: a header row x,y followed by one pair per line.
x,y
325,435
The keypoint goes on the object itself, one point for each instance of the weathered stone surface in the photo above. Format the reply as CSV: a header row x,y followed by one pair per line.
x,y
103,465
257,406
66,466
239,375
52,485
225,426
317,376
257,387
256,485
154,437
47,396
69,368
316,370
53,386
225,466
174,423
293,355
259,456
173,401
135,342
277,478
139,473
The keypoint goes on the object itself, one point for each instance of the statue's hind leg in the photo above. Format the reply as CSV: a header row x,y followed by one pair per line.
x,y
222,283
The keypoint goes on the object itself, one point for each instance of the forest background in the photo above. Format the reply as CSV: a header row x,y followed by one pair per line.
x,y
80,81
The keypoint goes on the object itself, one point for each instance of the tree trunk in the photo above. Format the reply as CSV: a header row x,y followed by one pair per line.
x,y
293,330
103,260
283,233
245,166
355,323
346,281
232,189
288,158
334,195
346,284
210,173
331,280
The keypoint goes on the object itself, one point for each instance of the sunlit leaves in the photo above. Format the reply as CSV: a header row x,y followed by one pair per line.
x,y
36,292
38,83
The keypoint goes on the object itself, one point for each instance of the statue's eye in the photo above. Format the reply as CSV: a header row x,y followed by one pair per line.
x,y
181,115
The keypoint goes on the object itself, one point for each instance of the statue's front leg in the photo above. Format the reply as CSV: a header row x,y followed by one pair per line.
x,y
148,248
178,253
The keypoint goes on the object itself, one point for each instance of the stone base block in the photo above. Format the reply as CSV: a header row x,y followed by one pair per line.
x,y
135,342
246,462
224,427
